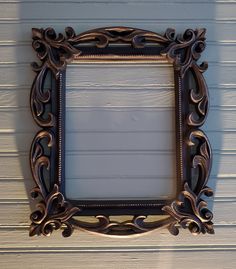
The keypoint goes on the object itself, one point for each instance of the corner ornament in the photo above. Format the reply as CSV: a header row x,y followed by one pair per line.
x,y
188,209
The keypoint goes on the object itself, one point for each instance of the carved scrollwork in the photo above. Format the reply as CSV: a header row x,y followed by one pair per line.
x,y
202,158
188,209
107,226
199,97
39,160
104,36
52,213
186,49
184,52
196,217
54,52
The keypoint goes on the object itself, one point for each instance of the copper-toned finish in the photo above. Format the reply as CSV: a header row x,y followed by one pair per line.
x,y
188,209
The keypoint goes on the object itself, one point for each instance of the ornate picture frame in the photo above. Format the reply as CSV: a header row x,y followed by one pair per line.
x,y
193,152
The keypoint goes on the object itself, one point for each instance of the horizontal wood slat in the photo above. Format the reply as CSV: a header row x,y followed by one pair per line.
x,y
22,75
124,1
11,189
83,10
18,238
20,31
129,260
14,167
17,214
136,119
126,119
137,96
114,141
25,54
95,141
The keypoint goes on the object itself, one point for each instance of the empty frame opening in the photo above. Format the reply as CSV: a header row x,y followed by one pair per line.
x,y
120,131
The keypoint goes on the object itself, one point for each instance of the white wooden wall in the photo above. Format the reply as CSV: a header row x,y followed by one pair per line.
x,y
120,122
156,250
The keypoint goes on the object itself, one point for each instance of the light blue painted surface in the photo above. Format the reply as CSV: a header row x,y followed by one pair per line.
x,y
16,19
120,99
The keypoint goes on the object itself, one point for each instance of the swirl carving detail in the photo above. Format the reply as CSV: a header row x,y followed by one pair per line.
x,y
53,212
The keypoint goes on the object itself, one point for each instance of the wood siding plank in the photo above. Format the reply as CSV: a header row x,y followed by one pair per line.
x,y
17,238
132,260
16,213
20,31
84,10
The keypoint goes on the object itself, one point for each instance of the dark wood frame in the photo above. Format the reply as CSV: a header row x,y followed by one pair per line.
x,y
193,152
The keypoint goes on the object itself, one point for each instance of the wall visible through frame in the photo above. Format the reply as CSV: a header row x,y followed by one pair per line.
x,y
120,131
156,250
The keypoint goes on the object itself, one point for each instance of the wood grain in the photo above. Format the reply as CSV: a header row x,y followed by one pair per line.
x,y
132,96
21,75
131,260
17,238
